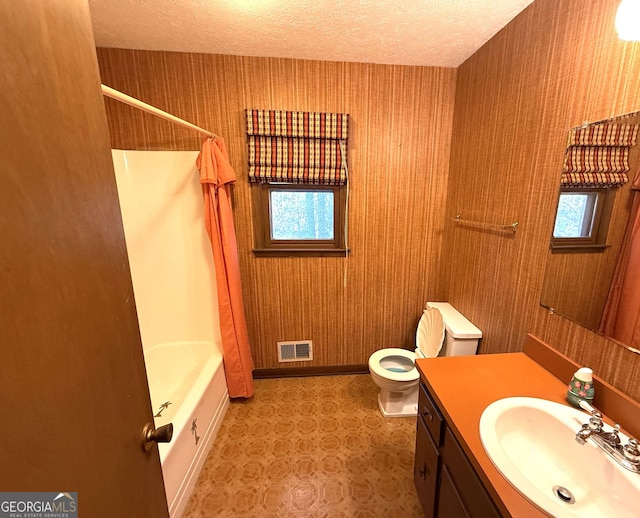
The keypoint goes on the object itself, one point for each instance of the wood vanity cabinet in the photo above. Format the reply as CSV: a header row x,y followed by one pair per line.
x,y
447,484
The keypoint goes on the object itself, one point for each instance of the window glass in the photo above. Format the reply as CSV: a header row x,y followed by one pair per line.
x,y
575,215
301,214
582,219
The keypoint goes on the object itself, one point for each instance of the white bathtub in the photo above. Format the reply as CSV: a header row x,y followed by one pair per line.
x,y
190,377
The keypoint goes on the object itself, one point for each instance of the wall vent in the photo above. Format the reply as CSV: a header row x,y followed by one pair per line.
x,y
298,351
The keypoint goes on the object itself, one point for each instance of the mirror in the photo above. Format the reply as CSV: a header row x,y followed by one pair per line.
x,y
578,279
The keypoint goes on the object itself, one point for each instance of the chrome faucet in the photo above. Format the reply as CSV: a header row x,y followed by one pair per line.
x,y
627,456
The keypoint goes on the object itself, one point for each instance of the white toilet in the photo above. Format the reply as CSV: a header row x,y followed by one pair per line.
x,y
394,371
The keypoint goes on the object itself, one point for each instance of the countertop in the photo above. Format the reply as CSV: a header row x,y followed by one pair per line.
x,y
463,386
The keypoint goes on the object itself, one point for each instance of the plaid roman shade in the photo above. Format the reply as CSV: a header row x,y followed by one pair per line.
x,y
297,147
598,155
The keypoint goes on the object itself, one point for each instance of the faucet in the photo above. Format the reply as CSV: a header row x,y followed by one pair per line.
x,y
627,456
594,427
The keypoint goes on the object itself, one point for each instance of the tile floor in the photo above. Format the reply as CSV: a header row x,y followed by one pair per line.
x,y
309,447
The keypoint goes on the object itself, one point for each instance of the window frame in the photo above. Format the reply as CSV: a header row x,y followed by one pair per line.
x,y
265,245
597,241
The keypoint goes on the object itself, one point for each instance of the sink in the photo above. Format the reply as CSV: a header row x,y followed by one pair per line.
x,y
532,443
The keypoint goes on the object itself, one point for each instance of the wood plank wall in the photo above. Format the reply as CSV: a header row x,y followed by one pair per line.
x,y
556,65
401,120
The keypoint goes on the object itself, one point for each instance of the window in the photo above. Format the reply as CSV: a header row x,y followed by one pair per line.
x,y
596,163
582,218
298,171
300,219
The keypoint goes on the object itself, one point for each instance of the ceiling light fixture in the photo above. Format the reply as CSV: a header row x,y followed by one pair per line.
x,y
628,20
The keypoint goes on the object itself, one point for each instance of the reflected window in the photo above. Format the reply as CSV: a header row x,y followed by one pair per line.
x,y
576,212
582,218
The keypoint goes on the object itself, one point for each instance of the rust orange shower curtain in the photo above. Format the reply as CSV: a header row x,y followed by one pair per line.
x,y
621,318
216,177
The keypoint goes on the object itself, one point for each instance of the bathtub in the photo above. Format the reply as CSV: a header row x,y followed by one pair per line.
x,y
188,388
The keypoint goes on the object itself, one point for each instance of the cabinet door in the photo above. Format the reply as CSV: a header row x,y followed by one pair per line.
x,y
467,486
425,471
449,502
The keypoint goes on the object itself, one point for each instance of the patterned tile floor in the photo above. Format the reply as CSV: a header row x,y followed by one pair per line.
x,y
309,447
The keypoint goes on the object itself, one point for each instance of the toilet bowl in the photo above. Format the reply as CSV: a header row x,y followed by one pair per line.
x,y
393,369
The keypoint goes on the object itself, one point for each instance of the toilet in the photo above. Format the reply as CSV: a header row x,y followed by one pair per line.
x,y
442,331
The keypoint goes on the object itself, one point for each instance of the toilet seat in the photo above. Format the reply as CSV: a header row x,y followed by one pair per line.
x,y
382,354
429,338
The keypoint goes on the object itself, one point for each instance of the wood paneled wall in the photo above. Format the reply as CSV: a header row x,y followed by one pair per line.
x,y
556,65
399,143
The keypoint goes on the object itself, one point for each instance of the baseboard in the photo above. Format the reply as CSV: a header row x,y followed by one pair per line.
x,y
299,372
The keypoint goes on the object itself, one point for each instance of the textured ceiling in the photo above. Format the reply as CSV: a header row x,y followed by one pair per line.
x,y
404,32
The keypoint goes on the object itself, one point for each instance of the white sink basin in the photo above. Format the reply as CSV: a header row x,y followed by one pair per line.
x,y
532,443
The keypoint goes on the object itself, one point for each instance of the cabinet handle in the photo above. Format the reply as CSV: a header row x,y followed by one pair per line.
x,y
423,472
426,414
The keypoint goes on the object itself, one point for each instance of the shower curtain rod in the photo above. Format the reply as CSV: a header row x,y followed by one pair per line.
x,y
132,101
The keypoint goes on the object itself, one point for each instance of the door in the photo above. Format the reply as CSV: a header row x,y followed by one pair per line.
x,y
73,388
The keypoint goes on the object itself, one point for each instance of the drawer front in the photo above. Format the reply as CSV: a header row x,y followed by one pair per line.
x,y
469,488
430,415
425,470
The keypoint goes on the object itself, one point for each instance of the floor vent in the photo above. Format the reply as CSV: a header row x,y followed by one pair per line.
x,y
300,351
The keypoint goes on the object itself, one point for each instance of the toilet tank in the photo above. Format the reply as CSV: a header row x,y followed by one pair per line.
x,y
461,336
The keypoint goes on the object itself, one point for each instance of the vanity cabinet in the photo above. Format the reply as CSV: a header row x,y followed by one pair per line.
x,y
425,472
446,483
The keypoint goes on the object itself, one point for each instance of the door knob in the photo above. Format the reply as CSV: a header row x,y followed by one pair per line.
x,y
151,434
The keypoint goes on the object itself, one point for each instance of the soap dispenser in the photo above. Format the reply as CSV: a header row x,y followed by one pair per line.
x,y
581,387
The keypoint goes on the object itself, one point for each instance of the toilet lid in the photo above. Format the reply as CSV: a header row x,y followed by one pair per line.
x,y
430,333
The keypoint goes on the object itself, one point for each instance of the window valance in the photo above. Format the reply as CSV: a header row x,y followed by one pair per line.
x,y
297,147
598,155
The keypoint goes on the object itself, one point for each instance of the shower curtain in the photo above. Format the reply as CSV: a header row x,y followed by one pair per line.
x,y
621,320
216,177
